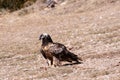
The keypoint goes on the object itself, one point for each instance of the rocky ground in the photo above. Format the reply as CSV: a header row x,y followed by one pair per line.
x,y
89,28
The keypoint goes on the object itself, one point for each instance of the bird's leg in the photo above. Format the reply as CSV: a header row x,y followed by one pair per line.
x,y
48,62
51,61
56,62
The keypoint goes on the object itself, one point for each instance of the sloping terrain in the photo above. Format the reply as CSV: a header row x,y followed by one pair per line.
x,y
89,28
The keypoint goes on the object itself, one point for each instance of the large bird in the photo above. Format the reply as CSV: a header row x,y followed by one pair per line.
x,y
56,52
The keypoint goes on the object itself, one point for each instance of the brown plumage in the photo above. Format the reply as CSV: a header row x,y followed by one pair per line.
x,y
56,52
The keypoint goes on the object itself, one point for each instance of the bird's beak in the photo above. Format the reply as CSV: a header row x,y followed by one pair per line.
x,y
41,36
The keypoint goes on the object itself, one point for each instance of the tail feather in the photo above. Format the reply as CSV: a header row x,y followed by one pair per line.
x,y
74,57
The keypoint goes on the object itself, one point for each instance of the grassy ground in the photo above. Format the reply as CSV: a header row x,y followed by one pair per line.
x,y
90,28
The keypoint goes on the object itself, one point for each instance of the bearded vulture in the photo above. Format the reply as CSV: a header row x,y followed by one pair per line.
x,y
56,52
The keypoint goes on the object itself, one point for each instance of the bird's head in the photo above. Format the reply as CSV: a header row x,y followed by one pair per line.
x,y
45,37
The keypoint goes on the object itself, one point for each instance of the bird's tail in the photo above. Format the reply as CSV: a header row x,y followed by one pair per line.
x,y
74,57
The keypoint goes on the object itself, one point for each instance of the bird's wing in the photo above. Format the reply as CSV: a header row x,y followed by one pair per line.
x,y
43,53
57,48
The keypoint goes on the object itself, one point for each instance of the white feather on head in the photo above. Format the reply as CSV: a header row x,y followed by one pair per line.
x,y
45,34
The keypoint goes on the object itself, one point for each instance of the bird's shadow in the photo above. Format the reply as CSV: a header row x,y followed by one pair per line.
x,y
76,63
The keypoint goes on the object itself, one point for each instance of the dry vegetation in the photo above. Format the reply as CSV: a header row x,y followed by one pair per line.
x,y
90,28
13,5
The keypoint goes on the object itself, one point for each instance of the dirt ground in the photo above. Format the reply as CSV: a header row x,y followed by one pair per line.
x,y
89,28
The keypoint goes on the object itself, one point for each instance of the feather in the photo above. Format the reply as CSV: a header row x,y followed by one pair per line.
x,y
51,50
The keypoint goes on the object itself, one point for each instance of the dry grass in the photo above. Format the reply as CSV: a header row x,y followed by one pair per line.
x,y
13,5
90,29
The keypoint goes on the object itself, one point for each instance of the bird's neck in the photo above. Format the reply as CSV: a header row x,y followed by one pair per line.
x,y
46,41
